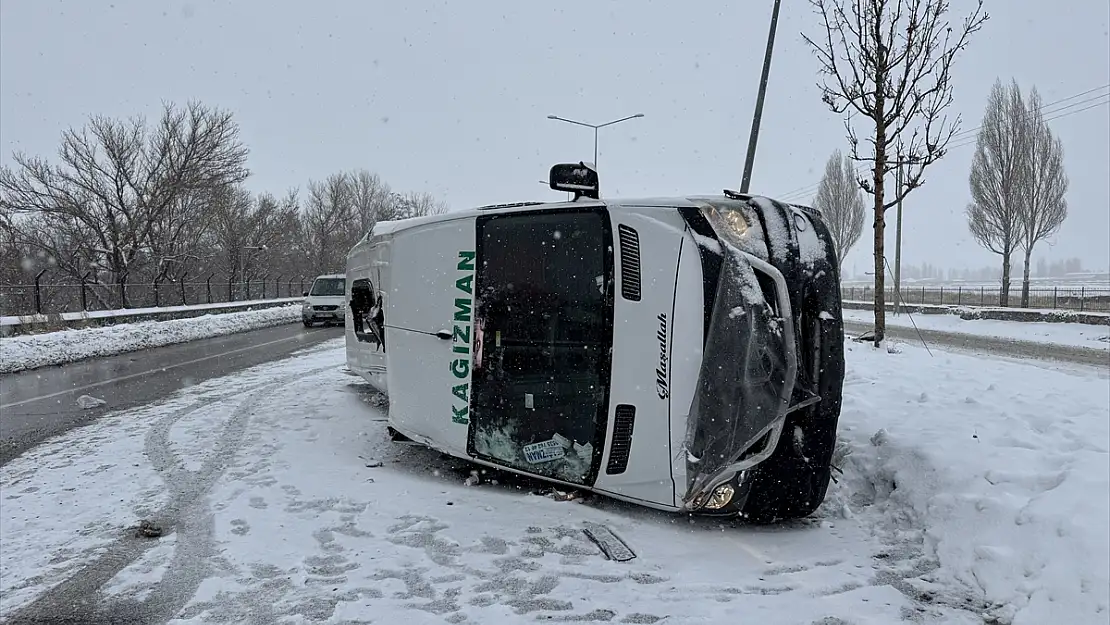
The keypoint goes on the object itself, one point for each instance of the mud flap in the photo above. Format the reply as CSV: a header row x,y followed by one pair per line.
x,y
613,547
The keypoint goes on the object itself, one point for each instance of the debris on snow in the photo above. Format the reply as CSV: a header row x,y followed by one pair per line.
x,y
88,402
147,529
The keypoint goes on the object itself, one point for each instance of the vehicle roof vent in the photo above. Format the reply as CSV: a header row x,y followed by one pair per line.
x,y
630,262
509,205
736,195
623,424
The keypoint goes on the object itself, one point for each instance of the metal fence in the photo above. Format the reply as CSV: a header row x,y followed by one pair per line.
x,y
1083,298
26,299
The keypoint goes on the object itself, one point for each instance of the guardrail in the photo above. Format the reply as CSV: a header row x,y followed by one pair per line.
x,y
44,297
996,313
1083,298
30,324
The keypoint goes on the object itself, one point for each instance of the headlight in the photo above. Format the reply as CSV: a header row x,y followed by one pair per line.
x,y
305,305
736,222
720,498
730,224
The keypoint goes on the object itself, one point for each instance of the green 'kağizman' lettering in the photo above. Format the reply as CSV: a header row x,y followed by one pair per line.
x,y
460,391
460,337
459,414
462,309
466,261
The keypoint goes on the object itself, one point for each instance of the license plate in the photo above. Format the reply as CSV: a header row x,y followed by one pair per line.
x,y
544,452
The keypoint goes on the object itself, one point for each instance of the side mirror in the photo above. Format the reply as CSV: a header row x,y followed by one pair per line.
x,y
305,294
578,178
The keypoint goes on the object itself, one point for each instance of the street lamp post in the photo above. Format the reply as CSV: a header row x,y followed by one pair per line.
x,y
595,127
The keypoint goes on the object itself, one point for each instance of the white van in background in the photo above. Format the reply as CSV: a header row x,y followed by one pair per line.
x,y
325,301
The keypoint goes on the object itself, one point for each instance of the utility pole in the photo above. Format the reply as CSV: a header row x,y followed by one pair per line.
x,y
898,249
754,137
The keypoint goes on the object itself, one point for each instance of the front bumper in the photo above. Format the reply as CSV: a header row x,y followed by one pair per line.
x,y
331,316
804,288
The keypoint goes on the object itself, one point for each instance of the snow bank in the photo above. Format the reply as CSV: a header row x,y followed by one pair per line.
x,y
18,353
1069,334
118,313
990,480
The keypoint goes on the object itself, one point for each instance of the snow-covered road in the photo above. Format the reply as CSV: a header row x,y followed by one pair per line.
x,y
970,488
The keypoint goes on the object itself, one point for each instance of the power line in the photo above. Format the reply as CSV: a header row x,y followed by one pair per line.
x,y
1049,105
1105,100
961,138
810,189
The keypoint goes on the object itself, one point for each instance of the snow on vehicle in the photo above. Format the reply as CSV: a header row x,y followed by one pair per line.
x,y
325,300
684,353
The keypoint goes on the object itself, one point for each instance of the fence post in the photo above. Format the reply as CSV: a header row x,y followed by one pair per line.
x,y
183,274
84,297
982,295
942,296
1055,297
922,295
157,299
1082,297
229,289
302,284
289,291
265,276
38,292
277,287
208,288
959,296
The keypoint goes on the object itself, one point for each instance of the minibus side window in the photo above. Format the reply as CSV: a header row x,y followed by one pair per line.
x,y
367,313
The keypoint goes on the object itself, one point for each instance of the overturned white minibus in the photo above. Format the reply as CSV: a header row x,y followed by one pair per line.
x,y
680,353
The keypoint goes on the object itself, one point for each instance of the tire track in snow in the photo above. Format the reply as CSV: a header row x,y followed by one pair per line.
x,y
79,599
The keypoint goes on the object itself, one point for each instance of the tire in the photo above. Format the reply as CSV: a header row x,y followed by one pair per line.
x,y
307,323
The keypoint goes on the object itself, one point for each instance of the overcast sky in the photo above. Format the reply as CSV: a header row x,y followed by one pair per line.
x,y
452,97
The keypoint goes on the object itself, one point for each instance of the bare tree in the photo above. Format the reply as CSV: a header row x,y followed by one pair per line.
x,y
331,227
891,61
118,179
839,199
1044,206
999,177
369,195
415,204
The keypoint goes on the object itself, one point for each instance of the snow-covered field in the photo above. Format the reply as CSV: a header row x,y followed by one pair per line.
x,y
29,351
1070,334
973,490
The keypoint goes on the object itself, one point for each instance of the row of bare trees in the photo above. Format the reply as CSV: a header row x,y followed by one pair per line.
x,y
1018,184
130,202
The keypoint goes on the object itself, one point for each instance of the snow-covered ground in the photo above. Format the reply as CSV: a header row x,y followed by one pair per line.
x,y
973,490
28,351
1070,334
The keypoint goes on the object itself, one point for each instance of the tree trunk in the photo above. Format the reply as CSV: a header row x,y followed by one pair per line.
x,y
1025,279
1004,292
880,232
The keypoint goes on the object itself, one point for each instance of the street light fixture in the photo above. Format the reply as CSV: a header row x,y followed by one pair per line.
x,y
595,127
